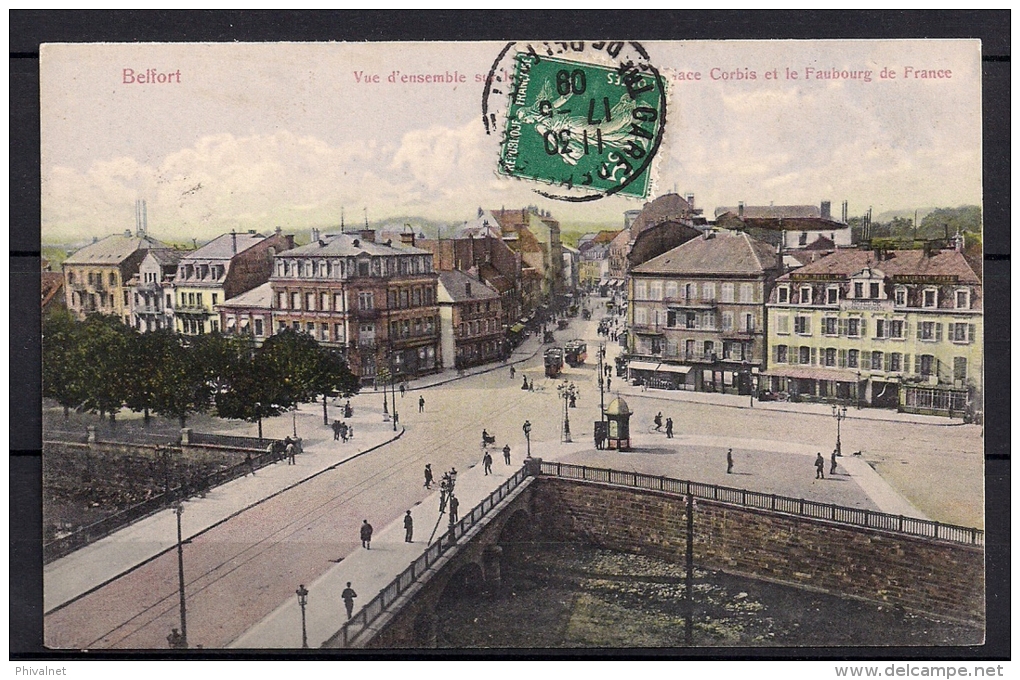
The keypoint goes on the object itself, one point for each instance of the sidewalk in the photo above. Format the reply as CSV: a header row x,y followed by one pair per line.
x,y
527,349
96,564
369,571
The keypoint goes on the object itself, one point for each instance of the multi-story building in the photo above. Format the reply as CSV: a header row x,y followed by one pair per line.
x,y
663,224
697,314
152,290
536,236
377,301
897,329
479,250
221,269
593,268
471,321
96,277
250,313
791,227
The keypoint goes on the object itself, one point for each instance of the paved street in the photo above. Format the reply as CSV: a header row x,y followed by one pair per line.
x,y
242,570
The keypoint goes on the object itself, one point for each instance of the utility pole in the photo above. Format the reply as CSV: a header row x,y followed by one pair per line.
x,y
180,575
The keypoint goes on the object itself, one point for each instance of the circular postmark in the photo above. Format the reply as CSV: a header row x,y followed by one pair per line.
x,y
585,117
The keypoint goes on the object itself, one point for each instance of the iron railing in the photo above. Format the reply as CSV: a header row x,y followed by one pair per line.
x,y
869,519
229,440
388,595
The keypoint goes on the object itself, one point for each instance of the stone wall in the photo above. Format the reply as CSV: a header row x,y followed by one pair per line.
x,y
935,577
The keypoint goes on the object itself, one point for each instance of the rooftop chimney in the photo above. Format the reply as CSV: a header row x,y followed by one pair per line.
x,y
690,200
367,235
826,210
407,238
127,233
278,230
740,209
141,219
233,239
467,289
315,234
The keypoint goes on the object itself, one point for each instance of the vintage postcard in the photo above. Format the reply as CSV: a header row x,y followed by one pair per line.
x,y
523,345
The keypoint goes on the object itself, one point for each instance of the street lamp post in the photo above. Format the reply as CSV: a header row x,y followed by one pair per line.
x,y
602,382
393,392
180,576
302,598
566,391
527,435
839,413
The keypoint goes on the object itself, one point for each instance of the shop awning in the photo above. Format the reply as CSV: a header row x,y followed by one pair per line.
x,y
813,373
673,368
517,328
641,366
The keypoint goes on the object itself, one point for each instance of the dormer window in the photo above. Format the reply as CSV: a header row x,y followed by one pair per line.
x,y
783,295
805,295
963,299
832,295
858,289
900,295
930,298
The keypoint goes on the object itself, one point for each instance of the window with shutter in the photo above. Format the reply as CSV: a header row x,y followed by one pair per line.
x,y
842,327
888,361
938,332
864,327
971,328
814,356
959,368
842,358
917,364
865,359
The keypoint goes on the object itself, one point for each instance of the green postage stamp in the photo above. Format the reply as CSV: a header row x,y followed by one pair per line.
x,y
586,126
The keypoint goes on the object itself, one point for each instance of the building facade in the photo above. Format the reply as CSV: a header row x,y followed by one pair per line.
x,y
96,277
895,329
697,314
377,301
152,294
221,269
471,321
250,313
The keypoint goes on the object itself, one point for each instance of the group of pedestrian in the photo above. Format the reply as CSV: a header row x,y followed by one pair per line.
x,y
658,425
820,465
528,386
342,431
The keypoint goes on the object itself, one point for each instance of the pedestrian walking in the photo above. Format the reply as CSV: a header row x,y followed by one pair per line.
x,y
513,372
408,527
350,431
175,639
348,597
487,463
421,404
819,466
454,504
348,411
343,432
729,461
366,535
291,450
658,421
525,385
669,428
506,454
531,385
832,470
428,476
250,463
336,430
609,384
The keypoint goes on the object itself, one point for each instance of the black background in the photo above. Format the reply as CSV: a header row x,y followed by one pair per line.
x,y
30,28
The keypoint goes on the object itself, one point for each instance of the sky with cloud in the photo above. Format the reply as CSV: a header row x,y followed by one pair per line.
x,y
256,136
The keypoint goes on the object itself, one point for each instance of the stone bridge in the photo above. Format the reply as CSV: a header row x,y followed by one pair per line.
x,y
919,565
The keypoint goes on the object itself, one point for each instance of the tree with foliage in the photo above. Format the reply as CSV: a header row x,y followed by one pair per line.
x,y
105,350
180,383
965,219
332,378
61,360
144,354
252,390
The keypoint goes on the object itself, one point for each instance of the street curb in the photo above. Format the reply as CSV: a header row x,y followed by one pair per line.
x,y
225,519
487,370
646,395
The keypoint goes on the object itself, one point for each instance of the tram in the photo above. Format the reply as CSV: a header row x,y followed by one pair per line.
x,y
553,361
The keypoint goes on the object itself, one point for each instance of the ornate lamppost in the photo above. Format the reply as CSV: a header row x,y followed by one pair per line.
x,y
839,413
566,391
527,435
302,598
